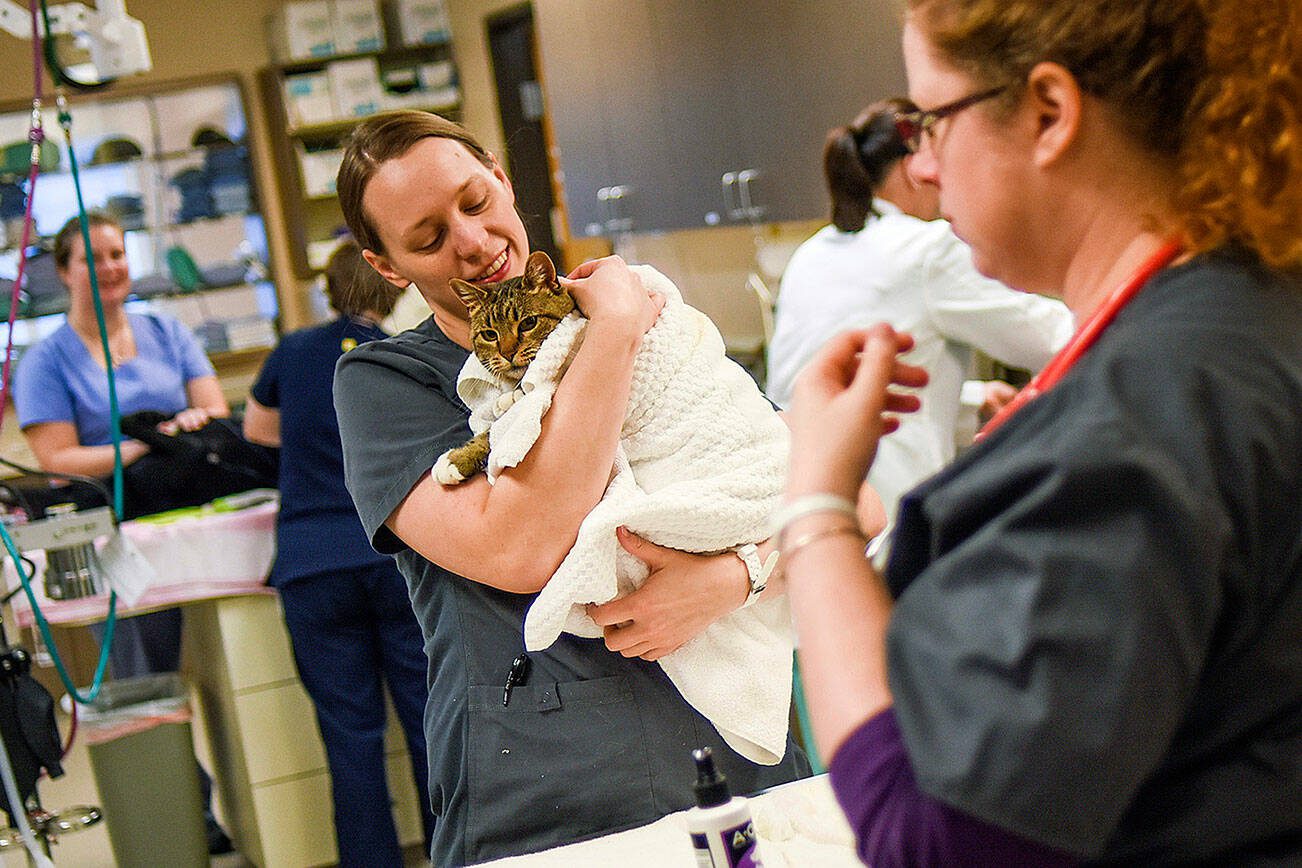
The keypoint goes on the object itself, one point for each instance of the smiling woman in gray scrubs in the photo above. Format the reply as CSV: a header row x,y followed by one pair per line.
x,y
588,740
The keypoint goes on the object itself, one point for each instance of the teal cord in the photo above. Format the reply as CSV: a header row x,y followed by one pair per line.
x,y
115,416
98,681
802,715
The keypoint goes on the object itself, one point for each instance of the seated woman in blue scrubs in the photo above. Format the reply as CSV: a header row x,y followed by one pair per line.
x,y
1087,643
61,395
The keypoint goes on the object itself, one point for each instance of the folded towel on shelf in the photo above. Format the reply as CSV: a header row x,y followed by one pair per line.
x,y
700,467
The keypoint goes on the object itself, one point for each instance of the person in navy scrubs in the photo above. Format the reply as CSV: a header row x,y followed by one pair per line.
x,y
349,617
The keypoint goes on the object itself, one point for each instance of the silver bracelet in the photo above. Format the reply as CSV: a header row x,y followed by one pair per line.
x,y
804,540
808,504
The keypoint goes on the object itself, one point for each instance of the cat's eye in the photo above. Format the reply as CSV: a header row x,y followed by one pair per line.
x,y
528,323
488,335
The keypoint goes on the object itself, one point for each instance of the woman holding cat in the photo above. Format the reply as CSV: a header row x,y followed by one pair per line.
x,y
1085,644
514,742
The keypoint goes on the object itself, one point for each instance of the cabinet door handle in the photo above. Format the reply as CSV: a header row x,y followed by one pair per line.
x,y
728,182
612,199
749,209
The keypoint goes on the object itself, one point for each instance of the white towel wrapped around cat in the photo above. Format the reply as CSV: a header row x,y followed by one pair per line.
x,y
700,467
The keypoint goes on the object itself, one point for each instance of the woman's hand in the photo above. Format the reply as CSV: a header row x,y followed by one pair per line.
x,y
843,404
189,419
997,394
607,291
684,594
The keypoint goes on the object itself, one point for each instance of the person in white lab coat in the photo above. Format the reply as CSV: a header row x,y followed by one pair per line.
x,y
885,257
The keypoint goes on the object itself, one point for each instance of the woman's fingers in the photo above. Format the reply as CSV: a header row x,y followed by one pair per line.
x,y
607,289
190,419
586,269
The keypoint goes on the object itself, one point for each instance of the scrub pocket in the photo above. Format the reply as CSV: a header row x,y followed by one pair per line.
x,y
561,762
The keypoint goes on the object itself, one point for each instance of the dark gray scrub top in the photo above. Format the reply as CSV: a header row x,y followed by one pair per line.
x,y
592,742
1098,638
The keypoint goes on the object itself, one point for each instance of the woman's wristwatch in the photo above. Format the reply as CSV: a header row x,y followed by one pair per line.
x,y
757,571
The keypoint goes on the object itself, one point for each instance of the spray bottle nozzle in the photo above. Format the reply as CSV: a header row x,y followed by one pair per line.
x,y
711,787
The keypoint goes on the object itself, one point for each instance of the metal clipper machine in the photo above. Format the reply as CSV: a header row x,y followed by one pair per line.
x,y
68,537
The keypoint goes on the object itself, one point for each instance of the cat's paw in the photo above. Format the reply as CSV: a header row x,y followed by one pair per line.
x,y
506,400
445,472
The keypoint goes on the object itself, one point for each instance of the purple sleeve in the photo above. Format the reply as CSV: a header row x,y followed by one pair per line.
x,y
895,823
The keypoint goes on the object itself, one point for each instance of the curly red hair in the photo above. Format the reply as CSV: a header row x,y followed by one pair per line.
x,y
1212,86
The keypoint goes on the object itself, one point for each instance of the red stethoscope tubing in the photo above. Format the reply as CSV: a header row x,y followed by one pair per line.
x,y
1086,335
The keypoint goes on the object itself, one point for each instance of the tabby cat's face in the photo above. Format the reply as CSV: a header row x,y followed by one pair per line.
x,y
510,320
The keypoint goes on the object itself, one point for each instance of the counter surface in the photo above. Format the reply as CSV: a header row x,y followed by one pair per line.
x,y
197,557
798,824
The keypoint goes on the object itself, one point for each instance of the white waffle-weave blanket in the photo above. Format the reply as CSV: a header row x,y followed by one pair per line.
x,y
700,467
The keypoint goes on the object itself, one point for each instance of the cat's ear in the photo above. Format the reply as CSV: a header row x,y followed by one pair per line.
x,y
539,271
471,295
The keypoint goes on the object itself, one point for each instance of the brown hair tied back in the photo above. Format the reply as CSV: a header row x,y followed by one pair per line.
x,y
354,288
1211,87
856,160
374,142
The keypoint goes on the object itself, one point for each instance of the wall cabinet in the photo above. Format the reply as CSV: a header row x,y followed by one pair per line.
x,y
672,114
312,106
172,164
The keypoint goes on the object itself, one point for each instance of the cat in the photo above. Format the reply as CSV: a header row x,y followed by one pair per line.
x,y
509,320
699,467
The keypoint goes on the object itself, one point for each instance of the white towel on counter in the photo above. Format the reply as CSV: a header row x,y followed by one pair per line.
x,y
700,467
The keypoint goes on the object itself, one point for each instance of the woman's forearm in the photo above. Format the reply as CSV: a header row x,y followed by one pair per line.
x,y
205,393
515,533
91,460
841,610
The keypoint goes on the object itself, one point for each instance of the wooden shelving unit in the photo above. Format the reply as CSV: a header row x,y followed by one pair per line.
x,y
313,215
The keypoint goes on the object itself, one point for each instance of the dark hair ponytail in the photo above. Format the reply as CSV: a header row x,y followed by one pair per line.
x,y
856,160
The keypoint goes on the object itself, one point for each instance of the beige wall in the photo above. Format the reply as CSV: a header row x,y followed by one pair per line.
x,y
475,65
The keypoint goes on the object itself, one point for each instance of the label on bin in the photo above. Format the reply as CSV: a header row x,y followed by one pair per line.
x,y
126,569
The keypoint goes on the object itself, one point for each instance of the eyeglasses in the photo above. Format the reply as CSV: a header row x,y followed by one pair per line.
x,y
912,125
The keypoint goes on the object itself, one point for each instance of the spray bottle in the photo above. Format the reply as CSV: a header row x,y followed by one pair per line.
x,y
723,834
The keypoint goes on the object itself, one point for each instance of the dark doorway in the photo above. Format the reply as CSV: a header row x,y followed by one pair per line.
x,y
520,104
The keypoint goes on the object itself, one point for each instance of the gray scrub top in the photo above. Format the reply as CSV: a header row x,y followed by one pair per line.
x,y
592,742
1098,636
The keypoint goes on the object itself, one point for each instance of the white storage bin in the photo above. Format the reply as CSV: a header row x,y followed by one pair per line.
x,y
355,85
302,29
358,26
308,99
437,74
319,169
421,22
